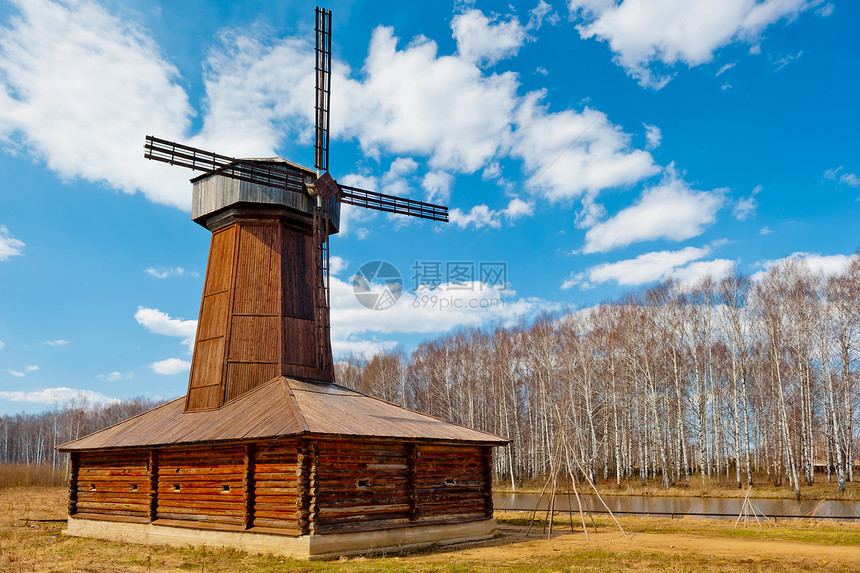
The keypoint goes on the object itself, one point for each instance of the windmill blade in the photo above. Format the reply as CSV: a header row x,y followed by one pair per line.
x,y
269,174
392,204
323,87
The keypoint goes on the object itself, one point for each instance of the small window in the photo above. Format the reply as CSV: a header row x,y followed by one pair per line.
x,y
225,488
363,483
176,487
449,481
92,487
134,487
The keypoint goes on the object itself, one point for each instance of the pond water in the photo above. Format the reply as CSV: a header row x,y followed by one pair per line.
x,y
678,506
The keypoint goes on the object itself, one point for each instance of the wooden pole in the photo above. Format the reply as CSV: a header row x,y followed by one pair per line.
x,y
153,485
248,482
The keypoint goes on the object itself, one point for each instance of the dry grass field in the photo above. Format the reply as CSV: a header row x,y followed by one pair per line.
x,y
31,521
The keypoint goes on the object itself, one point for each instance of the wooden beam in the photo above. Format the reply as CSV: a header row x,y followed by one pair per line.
x,y
249,489
74,468
314,489
412,456
153,485
487,456
303,488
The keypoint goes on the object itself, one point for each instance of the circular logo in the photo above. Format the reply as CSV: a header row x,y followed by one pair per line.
x,y
377,285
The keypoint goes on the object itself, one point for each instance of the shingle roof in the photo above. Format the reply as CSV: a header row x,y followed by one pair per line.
x,y
280,407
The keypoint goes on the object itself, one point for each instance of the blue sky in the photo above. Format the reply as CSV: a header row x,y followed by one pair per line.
x,y
590,146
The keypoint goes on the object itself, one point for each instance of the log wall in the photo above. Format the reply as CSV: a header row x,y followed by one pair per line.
x,y
293,487
450,482
202,485
361,485
275,486
112,483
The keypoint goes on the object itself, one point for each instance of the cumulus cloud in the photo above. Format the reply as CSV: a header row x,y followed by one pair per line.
x,y
649,37
653,136
682,265
671,210
115,85
58,395
159,322
568,153
115,376
165,272
9,245
482,216
827,265
836,174
745,207
20,373
170,366
358,330
483,41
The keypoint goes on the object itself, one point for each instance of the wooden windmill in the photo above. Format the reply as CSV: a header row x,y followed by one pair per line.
x,y
247,333
266,452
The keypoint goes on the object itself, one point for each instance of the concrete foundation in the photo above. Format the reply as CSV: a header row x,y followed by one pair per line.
x,y
305,547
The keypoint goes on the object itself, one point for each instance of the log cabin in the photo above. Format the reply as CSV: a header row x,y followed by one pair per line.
x,y
266,452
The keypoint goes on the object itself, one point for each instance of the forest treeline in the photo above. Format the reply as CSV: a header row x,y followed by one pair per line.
x,y
732,378
31,438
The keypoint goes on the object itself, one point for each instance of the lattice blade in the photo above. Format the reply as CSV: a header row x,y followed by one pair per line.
x,y
269,174
392,204
323,87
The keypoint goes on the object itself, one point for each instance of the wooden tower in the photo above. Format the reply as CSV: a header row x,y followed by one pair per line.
x,y
265,452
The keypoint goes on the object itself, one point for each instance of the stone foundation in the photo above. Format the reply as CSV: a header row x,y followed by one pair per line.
x,y
306,547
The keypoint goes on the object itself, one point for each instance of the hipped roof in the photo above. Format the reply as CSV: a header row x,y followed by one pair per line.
x,y
280,407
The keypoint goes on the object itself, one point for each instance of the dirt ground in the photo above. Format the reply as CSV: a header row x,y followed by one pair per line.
x,y
31,521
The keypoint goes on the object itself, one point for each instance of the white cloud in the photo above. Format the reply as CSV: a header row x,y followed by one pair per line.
x,y
647,267
482,216
116,86
20,373
483,41
414,101
170,366
653,136
356,329
827,265
694,272
58,342
649,37
9,245
165,272
337,264
437,185
2,345
746,206
785,60
540,12
826,10
671,210
59,395
159,322
850,179
568,153
765,231
115,376
725,68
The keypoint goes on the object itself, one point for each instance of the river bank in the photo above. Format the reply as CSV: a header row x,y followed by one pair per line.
x,y
762,488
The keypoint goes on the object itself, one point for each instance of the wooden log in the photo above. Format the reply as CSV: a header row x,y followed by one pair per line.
x,y
74,467
313,488
141,508
248,487
200,518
